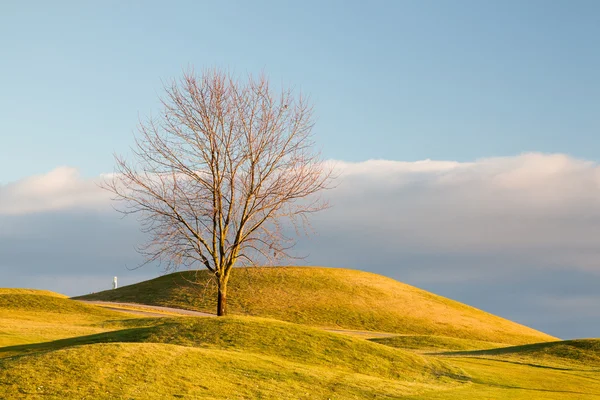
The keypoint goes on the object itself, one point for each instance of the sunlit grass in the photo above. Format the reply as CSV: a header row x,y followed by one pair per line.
x,y
330,297
158,371
569,354
55,348
424,343
501,380
30,316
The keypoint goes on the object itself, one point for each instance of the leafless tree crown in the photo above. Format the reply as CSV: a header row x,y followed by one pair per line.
x,y
216,176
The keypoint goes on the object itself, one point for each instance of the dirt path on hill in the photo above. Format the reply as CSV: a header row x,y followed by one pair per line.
x,y
159,311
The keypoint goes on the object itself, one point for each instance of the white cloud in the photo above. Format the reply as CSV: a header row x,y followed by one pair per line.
x,y
490,232
60,189
533,207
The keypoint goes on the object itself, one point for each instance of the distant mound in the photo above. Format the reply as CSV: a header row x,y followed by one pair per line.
x,y
28,300
584,353
31,291
329,297
29,316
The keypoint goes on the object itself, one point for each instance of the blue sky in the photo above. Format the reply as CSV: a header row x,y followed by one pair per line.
x,y
503,96
402,80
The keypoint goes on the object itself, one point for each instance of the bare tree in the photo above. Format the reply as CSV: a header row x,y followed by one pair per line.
x,y
218,175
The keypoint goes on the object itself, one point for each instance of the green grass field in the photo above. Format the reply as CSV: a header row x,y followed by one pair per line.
x,y
57,348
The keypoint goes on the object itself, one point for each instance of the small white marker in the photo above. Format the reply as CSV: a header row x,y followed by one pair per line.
x,y
115,282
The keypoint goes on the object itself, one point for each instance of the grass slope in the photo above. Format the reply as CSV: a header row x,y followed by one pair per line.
x,y
495,379
160,371
272,357
329,297
43,303
30,316
10,291
581,353
426,343
267,337
257,358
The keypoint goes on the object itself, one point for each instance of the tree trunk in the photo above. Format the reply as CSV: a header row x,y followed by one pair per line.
x,y
221,301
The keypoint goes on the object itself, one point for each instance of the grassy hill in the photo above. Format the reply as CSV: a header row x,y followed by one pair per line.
x,y
160,371
30,316
292,342
41,302
87,352
240,357
9,291
582,353
329,297
498,379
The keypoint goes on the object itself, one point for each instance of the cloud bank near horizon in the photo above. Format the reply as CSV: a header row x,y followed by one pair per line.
x,y
451,227
533,207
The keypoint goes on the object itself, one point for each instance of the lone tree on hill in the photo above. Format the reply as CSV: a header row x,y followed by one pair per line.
x,y
215,178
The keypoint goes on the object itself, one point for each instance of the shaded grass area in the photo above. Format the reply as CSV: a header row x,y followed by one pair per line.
x,y
568,354
425,343
329,297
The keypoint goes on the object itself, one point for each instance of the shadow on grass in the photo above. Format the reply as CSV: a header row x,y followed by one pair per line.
x,y
533,365
568,355
130,335
591,345
516,387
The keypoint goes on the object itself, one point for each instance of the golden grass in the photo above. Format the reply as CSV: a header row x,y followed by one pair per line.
x,y
267,337
332,298
495,379
258,358
582,354
159,371
31,291
30,316
424,343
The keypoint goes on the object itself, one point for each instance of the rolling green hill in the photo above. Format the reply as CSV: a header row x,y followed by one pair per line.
x,y
52,303
62,349
329,297
582,353
272,338
239,357
8,291
159,371
30,316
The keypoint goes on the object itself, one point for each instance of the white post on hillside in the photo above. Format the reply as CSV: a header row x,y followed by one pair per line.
x,y
115,282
